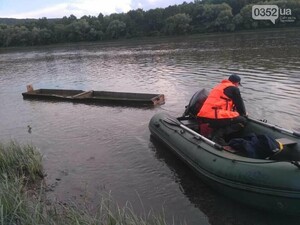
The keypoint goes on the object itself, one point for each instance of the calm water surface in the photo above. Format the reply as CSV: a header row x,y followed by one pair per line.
x,y
90,150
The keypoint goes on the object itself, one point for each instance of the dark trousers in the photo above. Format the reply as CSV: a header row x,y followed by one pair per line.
x,y
225,128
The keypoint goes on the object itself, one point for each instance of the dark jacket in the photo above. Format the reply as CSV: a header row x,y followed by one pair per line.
x,y
256,146
233,93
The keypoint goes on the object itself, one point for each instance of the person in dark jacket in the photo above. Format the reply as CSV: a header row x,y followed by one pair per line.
x,y
224,109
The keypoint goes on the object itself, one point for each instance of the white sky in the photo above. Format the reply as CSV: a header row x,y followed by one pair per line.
x,y
60,8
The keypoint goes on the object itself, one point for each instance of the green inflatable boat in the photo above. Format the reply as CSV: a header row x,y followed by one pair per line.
x,y
271,183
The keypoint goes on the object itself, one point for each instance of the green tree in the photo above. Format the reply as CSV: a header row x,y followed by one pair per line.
x,y
3,29
217,17
78,30
178,24
100,17
245,18
198,18
135,24
68,20
60,33
186,8
224,22
46,36
236,5
42,23
95,35
171,10
154,21
16,36
116,29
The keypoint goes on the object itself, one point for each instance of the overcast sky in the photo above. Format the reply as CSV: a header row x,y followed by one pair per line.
x,y
79,8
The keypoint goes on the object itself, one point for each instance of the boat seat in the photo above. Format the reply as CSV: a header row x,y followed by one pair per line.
x,y
286,141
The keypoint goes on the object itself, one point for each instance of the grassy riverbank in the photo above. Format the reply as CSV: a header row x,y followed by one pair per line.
x,y
22,196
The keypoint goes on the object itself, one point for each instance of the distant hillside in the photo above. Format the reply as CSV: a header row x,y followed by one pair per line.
x,y
13,21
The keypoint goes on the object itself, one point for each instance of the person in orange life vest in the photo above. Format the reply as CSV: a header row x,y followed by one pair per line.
x,y
224,109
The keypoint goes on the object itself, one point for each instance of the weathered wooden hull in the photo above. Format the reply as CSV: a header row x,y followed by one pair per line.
x,y
266,184
97,97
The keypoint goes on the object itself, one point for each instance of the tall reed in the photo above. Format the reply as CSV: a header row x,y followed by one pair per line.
x,y
20,161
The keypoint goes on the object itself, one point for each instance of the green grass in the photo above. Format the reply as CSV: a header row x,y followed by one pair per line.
x,y
22,197
20,161
108,213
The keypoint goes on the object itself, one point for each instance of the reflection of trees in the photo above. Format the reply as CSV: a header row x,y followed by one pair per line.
x,y
219,209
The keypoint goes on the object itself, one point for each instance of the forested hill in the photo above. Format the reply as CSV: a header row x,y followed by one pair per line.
x,y
187,18
13,21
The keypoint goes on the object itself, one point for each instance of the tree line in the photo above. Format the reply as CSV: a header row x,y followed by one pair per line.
x,y
187,18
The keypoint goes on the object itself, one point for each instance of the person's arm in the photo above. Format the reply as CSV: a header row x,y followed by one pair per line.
x,y
234,94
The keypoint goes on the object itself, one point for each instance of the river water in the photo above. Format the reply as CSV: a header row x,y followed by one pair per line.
x,y
90,150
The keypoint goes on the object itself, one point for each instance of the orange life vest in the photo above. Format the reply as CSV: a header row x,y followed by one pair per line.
x,y
218,105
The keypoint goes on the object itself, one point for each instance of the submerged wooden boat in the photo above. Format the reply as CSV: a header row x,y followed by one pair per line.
x,y
271,184
97,97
